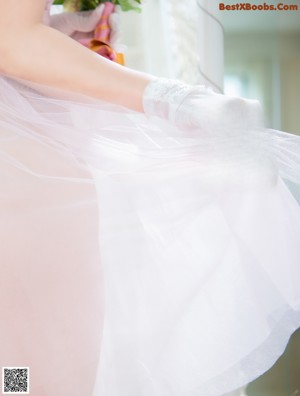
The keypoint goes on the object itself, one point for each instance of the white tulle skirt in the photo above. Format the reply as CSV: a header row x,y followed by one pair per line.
x,y
138,259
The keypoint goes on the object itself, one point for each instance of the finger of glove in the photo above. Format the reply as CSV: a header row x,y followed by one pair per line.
x,y
242,112
205,109
86,21
94,18
114,23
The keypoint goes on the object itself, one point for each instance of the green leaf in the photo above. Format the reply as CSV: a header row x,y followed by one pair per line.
x,y
89,4
85,5
128,5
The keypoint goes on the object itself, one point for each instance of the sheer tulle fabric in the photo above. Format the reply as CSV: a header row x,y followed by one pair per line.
x,y
139,259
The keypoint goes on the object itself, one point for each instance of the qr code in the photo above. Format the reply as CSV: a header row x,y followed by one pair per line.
x,y
15,380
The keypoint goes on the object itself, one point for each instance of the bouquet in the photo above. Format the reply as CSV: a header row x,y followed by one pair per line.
x,y
105,31
86,5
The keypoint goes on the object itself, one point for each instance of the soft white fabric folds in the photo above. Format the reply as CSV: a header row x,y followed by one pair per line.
x,y
139,259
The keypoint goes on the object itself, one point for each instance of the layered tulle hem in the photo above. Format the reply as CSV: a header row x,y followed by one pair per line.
x,y
152,261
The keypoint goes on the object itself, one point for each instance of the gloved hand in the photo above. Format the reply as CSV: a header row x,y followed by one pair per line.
x,y
79,25
71,23
199,108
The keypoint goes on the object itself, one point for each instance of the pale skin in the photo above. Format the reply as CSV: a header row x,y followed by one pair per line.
x,y
32,51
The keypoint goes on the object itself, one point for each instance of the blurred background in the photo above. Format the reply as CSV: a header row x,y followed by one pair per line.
x,y
262,60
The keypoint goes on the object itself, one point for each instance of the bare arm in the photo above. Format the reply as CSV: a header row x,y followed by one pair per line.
x,y
35,52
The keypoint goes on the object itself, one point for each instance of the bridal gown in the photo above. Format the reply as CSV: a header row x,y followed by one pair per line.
x,y
139,259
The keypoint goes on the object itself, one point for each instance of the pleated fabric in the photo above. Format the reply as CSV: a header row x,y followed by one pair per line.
x,y
139,259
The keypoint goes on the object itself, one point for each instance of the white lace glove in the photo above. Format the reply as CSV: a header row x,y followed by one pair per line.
x,y
199,108
79,25
72,22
